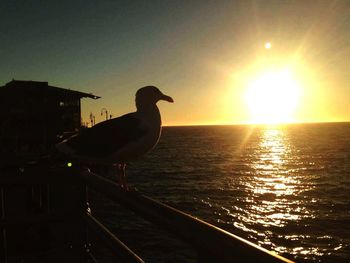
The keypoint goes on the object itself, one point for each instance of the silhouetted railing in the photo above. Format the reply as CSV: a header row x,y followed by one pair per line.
x,y
57,208
120,250
212,243
41,208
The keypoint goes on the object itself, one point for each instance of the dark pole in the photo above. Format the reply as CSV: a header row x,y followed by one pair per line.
x,y
92,119
104,110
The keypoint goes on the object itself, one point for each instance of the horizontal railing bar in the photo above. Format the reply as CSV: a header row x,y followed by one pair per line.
x,y
117,246
31,219
207,239
32,175
92,257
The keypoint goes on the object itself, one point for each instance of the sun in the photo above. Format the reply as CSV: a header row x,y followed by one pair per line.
x,y
273,97
268,45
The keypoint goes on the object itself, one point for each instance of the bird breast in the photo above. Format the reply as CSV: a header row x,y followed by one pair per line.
x,y
151,123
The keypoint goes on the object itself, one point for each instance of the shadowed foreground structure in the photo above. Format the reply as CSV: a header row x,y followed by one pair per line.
x,y
61,225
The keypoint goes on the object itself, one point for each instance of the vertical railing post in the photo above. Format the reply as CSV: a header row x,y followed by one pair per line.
x,y
85,208
48,207
4,236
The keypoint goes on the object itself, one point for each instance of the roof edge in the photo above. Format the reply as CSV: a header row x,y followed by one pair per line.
x,y
45,84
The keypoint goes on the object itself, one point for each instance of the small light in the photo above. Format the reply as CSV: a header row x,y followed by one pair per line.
x,y
268,45
69,164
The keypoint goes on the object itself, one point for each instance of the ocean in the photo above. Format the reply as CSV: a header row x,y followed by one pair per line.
x,y
285,188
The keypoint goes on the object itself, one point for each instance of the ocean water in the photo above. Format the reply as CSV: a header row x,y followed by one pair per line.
x,y
285,188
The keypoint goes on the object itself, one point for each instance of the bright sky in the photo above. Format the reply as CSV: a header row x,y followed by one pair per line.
x,y
222,61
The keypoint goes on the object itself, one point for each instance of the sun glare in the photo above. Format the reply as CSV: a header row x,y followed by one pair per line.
x,y
268,45
273,97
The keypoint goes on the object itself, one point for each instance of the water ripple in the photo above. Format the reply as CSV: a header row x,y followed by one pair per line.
x,y
284,188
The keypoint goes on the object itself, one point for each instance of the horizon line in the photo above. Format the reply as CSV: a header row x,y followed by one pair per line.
x,y
255,124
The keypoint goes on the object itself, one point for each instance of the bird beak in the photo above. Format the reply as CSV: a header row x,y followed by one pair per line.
x,y
166,98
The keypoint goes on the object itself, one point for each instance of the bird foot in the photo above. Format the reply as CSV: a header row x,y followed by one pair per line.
x,y
129,189
133,189
124,188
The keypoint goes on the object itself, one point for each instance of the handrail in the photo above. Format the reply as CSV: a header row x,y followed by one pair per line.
x,y
31,175
31,219
118,247
212,243
58,175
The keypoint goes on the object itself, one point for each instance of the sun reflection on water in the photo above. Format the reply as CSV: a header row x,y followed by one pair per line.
x,y
274,191
273,187
274,153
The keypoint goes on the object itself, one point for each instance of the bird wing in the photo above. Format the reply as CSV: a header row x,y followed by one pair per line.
x,y
107,137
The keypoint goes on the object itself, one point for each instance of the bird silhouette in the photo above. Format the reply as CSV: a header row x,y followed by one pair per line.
x,y
120,140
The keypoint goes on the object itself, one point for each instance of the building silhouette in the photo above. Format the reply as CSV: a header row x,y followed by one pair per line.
x,y
34,115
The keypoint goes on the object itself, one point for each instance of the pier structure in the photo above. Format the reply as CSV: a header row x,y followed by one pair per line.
x,y
45,217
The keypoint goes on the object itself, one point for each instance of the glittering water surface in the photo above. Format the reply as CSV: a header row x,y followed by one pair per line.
x,y
285,188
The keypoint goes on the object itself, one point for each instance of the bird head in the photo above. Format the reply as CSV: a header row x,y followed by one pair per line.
x,y
149,96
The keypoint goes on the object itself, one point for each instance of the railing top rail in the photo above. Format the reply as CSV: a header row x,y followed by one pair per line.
x,y
117,246
219,243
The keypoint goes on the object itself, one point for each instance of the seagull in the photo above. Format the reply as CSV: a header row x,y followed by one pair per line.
x,y
120,140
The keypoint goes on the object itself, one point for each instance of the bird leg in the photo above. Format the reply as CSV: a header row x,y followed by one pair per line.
x,y
118,174
121,176
124,184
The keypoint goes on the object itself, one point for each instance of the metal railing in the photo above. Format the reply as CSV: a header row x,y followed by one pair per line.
x,y
211,243
119,249
34,220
